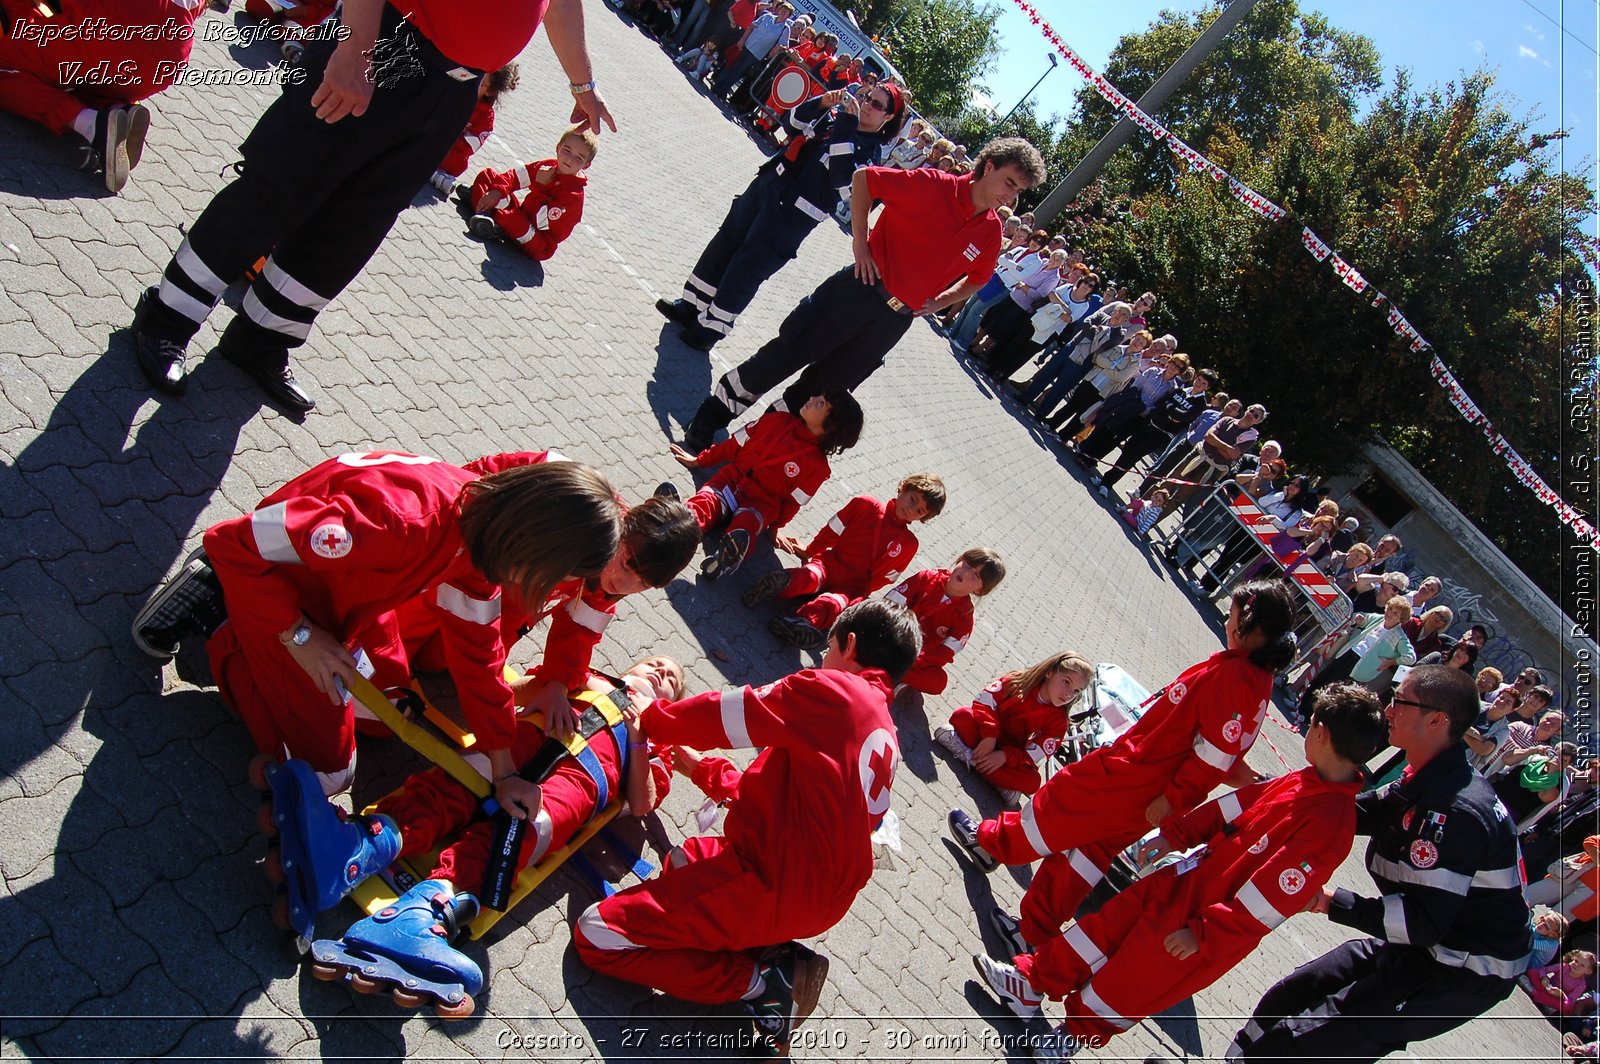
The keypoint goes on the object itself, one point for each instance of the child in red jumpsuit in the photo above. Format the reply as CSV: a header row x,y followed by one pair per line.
x,y
942,602
551,206
496,84
717,925
1017,722
1269,848
57,71
774,467
659,538
1192,737
862,548
311,579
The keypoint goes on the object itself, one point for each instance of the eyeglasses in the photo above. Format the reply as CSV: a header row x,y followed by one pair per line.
x,y
877,105
1396,700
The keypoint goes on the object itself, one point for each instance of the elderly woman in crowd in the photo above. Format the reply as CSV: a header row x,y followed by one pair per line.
x,y
1426,630
1343,568
1026,258
1008,318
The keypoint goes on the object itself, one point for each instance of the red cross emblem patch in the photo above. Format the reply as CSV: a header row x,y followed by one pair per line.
x,y
791,469
1424,854
1292,881
879,757
331,540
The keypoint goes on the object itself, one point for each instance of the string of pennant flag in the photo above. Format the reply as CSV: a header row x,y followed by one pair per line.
x,y
1320,250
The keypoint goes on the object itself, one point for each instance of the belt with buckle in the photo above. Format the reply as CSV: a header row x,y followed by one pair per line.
x,y
896,305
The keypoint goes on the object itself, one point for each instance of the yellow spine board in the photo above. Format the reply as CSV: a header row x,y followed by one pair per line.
x,y
374,892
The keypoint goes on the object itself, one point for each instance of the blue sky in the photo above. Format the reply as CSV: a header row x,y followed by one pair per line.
x,y
1543,51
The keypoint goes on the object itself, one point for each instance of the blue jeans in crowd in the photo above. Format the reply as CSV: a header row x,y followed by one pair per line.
x,y
1052,383
965,327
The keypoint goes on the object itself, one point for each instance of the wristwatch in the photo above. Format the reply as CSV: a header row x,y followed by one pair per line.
x,y
580,87
299,637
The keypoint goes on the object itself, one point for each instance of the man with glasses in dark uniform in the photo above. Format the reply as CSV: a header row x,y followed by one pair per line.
x,y
1450,933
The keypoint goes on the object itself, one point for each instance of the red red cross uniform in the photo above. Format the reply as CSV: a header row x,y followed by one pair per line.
x,y
775,466
433,808
479,126
542,216
51,81
347,542
1026,729
946,626
862,548
796,847
579,610
1270,847
1188,740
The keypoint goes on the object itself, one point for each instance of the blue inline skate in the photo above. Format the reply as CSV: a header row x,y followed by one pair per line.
x,y
404,948
320,855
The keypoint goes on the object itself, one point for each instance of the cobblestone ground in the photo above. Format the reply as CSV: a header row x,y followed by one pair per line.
x,y
135,923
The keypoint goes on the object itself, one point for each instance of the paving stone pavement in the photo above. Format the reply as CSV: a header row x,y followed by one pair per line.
x,y
135,924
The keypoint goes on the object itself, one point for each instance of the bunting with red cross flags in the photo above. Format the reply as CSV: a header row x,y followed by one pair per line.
x,y
1320,250
1330,603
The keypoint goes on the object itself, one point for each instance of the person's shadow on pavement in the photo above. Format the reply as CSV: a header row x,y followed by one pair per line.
x,y
121,900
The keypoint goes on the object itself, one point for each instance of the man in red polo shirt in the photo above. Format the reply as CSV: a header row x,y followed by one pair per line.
x,y
934,244
330,165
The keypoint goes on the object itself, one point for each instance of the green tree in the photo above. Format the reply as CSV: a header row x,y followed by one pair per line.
x,y
943,47
1279,60
1458,213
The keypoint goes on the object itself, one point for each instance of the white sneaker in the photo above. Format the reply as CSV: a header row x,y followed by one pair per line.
x,y
946,737
1015,992
1056,1044
1012,799
442,181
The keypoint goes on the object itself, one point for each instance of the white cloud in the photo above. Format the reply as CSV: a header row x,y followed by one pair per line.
x,y
1530,28
1524,52
1480,48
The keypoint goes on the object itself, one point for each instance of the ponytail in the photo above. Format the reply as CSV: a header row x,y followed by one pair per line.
x,y
1268,606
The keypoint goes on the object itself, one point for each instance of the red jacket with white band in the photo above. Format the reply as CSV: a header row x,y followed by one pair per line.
x,y
1025,728
544,216
1270,848
775,466
353,538
863,547
946,622
806,807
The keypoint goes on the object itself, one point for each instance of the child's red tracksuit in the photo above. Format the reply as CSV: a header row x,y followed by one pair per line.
x,y
1026,728
544,217
433,808
862,548
1188,740
774,467
347,543
796,847
1270,847
946,626
49,81
479,126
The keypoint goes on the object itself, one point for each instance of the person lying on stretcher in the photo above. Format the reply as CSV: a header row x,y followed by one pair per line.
x,y
407,944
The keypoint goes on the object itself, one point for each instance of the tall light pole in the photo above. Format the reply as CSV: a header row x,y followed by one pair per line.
x,y
1018,105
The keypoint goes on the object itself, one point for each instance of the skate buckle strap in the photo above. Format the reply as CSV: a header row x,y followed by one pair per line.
x,y
424,742
601,711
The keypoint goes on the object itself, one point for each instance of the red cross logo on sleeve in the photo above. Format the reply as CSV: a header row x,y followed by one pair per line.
x,y
331,540
876,764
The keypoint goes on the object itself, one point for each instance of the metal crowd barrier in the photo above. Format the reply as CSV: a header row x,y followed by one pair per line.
x,y
1224,538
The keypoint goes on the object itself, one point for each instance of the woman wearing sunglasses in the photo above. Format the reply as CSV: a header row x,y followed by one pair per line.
x,y
829,137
